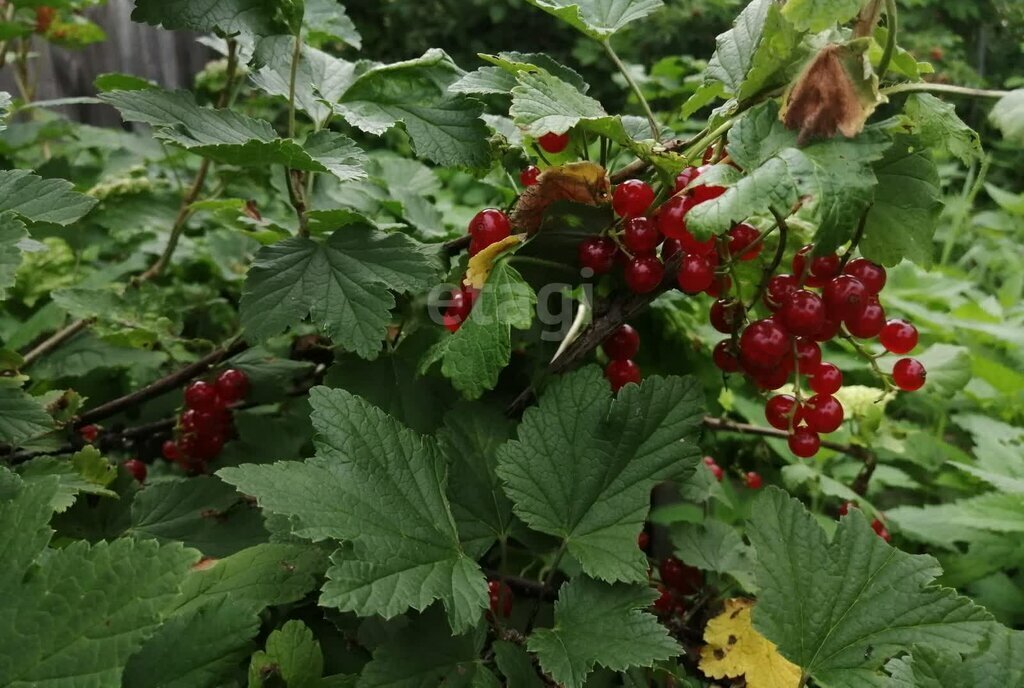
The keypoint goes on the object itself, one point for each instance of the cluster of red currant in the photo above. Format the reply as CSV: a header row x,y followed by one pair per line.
x,y
500,597
822,299
620,347
752,479
91,432
677,582
487,227
205,424
877,525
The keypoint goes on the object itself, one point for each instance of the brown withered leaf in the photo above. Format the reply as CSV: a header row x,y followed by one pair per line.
x,y
836,93
582,182
480,265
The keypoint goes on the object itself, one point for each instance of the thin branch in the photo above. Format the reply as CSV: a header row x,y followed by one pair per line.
x,y
292,78
655,128
184,211
548,584
855,241
892,24
54,341
943,88
726,425
780,252
525,587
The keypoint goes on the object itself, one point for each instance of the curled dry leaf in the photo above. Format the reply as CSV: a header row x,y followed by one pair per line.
x,y
582,182
480,265
735,649
836,93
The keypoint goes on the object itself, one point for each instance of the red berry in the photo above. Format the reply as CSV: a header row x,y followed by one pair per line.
x,y
868,323
170,450
137,469
621,373
554,143
460,305
642,540
669,248
686,580
695,274
898,336
823,413
771,378
201,396
808,355
826,379
782,411
208,445
779,288
597,254
684,178
871,275
666,602
829,329
724,357
189,421
489,226
709,154
717,471
691,244
500,597
822,268
643,274
232,385
753,480
709,461
528,177
764,343
741,237
671,216
89,433
721,284
908,374
726,314
803,313
880,530
641,236
622,344
632,198
845,296
212,422
845,507
804,442
705,192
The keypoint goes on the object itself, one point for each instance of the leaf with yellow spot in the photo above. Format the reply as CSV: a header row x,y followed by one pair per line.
x,y
581,182
735,649
480,265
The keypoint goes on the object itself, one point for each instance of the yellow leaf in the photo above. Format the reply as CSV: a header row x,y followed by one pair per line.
x,y
480,265
582,182
735,649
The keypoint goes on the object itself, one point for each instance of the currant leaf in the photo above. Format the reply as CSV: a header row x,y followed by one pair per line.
x,y
251,17
41,200
599,19
935,123
1000,664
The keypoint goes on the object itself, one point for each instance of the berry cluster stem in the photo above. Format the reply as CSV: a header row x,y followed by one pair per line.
x,y
655,128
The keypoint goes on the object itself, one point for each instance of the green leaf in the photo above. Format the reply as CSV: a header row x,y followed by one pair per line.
x,y
12,236
24,518
42,200
115,81
295,655
22,417
516,665
228,137
907,203
584,464
250,17
818,15
444,127
201,512
715,546
839,609
598,19
344,284
543,103
514,62
474,356
197,649
320,77
936,124
1000,664
596,623
1008,115
946,524
381,488
326,20
87,353
86,472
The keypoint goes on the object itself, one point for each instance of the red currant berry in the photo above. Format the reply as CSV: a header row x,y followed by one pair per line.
x,y
808,355
868,323
871,275
622,344
137,469
753,480
554,143
823,413
826,379
705,192
721,284
908,374
771,378
671,216
764,343
741,238
695,274
705,248
528,177
779,288
89,433
500,597
201,396
845,507
489,226
643,274
822,268
803,313
726,315
208,445
666,602
597,254
641,236
898,336
232,385
642,540
169,450
632,198
709,154
782,411
845,296
685,178
717,471
670,248
460,304
804,442
189,421
621,373
829,329
881,530
684,579
724,357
